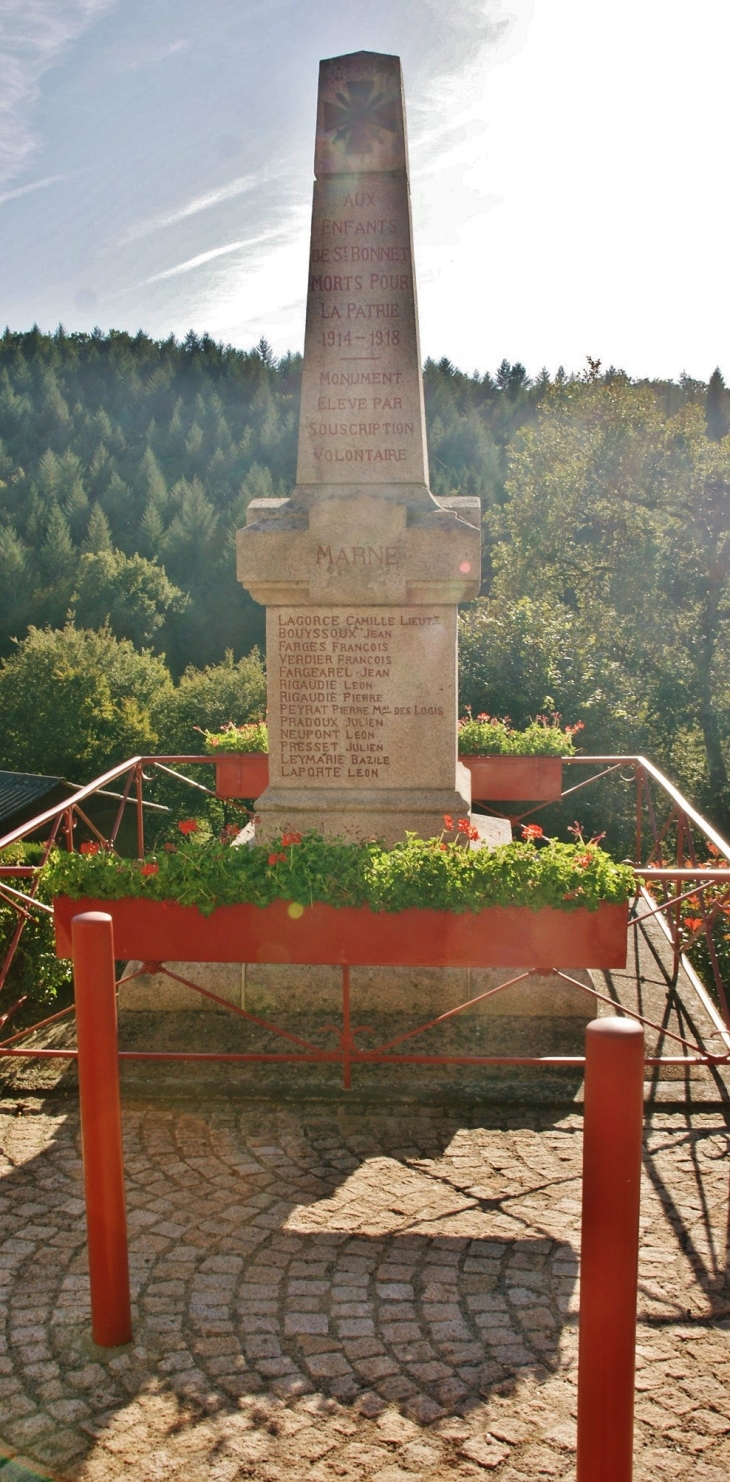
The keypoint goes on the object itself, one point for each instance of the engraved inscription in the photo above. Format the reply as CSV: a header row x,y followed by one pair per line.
x,y
349,710
361,333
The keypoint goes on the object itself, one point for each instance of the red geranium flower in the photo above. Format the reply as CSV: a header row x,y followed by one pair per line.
x,y
463,825
90,848
277,858
583,861
170,849
291,838
532,831
149,869
448,822
188,826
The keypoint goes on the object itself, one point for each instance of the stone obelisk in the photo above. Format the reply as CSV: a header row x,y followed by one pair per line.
x,y
361,569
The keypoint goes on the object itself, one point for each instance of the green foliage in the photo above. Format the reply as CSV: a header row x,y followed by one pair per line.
x,y
36,971
426,874
130,595
167,442
207,699
247,738
610,596
74,702
487,735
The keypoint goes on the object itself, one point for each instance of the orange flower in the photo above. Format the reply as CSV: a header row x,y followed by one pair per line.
x,y
583,861
90,848
693,923
444,846
188,826
532,831
149,869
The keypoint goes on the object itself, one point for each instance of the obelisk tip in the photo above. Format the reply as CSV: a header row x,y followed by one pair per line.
x,y
360,115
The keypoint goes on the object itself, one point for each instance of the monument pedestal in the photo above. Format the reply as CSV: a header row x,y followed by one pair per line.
x,y
361,645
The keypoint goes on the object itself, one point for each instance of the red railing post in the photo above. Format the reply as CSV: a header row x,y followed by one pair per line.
x,y
609,1257
101,1127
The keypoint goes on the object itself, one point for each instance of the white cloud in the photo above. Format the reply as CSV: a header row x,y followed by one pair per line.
x,y
33,35
151,57
203,257
25,190
199,203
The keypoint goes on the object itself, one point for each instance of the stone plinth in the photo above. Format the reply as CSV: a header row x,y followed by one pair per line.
x,y
280,990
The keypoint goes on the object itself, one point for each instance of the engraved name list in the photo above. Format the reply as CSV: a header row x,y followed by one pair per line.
x,y
351,698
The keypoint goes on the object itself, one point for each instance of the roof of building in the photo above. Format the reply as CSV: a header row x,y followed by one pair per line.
x,y
20,789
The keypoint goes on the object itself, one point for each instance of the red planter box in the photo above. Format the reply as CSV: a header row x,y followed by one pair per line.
x,y
537,779
528,778
501,936
241,774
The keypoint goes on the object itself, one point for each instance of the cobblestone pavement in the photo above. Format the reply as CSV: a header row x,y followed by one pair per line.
x,y
342,1293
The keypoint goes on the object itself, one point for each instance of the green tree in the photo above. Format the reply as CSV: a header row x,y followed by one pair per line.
x,y
74,702
717,408
133,596
621,514
208,698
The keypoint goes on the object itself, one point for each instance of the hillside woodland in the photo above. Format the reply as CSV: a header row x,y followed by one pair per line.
x,y
126,466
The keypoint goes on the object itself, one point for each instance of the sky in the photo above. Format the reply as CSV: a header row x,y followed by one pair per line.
x,y
568,171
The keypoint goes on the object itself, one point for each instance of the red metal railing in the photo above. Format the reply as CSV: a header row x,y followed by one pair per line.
x,y
675,833
612,1147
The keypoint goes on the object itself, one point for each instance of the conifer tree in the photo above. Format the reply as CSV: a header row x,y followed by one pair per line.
x,y
716,407
98,532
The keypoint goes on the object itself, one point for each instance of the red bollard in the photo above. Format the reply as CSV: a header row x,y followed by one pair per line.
x,y
101,1127
609,1257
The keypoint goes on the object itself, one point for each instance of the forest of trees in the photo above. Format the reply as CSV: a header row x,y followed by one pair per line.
x,y
125,469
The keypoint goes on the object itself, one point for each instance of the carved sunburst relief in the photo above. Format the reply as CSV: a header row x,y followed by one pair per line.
x,y
359,117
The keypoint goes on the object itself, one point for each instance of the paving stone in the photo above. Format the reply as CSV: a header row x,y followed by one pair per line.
x,y
431,1342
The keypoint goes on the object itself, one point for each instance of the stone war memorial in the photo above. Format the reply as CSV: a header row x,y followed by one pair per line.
x,y
378,1211
361,569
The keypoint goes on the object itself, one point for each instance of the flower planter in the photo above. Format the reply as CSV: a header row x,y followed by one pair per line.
x,y
500,936
529,778
241,774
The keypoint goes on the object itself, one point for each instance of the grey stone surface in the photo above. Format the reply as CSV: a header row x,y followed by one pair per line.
x,y
362,569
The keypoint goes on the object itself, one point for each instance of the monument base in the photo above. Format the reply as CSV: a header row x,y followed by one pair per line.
x,y
343,813
279,989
